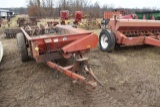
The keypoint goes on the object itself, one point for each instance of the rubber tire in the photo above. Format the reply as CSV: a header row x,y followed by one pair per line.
x,y
22,47
111,40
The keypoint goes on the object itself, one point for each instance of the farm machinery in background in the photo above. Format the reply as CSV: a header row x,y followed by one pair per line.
x,y
64,19
78,21
88,23
64,14
147,15
78,16
92,23
129,32
64,43
32,21
5,21
109,15
84,21
21,22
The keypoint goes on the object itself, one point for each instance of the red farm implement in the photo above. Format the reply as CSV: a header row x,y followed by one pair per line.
x,y
107,16
78,17
64,19
65,42
64,14
90,23
129,32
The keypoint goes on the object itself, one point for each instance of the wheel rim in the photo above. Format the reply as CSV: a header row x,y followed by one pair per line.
x,y
104,41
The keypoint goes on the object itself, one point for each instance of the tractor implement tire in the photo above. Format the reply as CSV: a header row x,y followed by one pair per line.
x,y
22,47
107,41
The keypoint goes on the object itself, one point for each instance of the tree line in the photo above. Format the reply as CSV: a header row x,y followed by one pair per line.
x,y
52,8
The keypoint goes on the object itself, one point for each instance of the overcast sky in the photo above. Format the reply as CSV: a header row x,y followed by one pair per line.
x,y
115,3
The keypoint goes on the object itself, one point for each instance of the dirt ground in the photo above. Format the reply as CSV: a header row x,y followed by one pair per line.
x,y
131,78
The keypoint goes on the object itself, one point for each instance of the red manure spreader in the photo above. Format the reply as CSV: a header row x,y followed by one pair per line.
x,y
63,43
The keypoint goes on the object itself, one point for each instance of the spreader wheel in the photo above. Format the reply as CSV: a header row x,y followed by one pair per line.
x,y
22,47
106,41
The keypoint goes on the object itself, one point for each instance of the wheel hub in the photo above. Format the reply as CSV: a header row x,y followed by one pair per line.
x,y
104,41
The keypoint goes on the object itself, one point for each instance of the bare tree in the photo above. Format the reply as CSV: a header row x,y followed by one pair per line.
x,y
49,8
40,8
